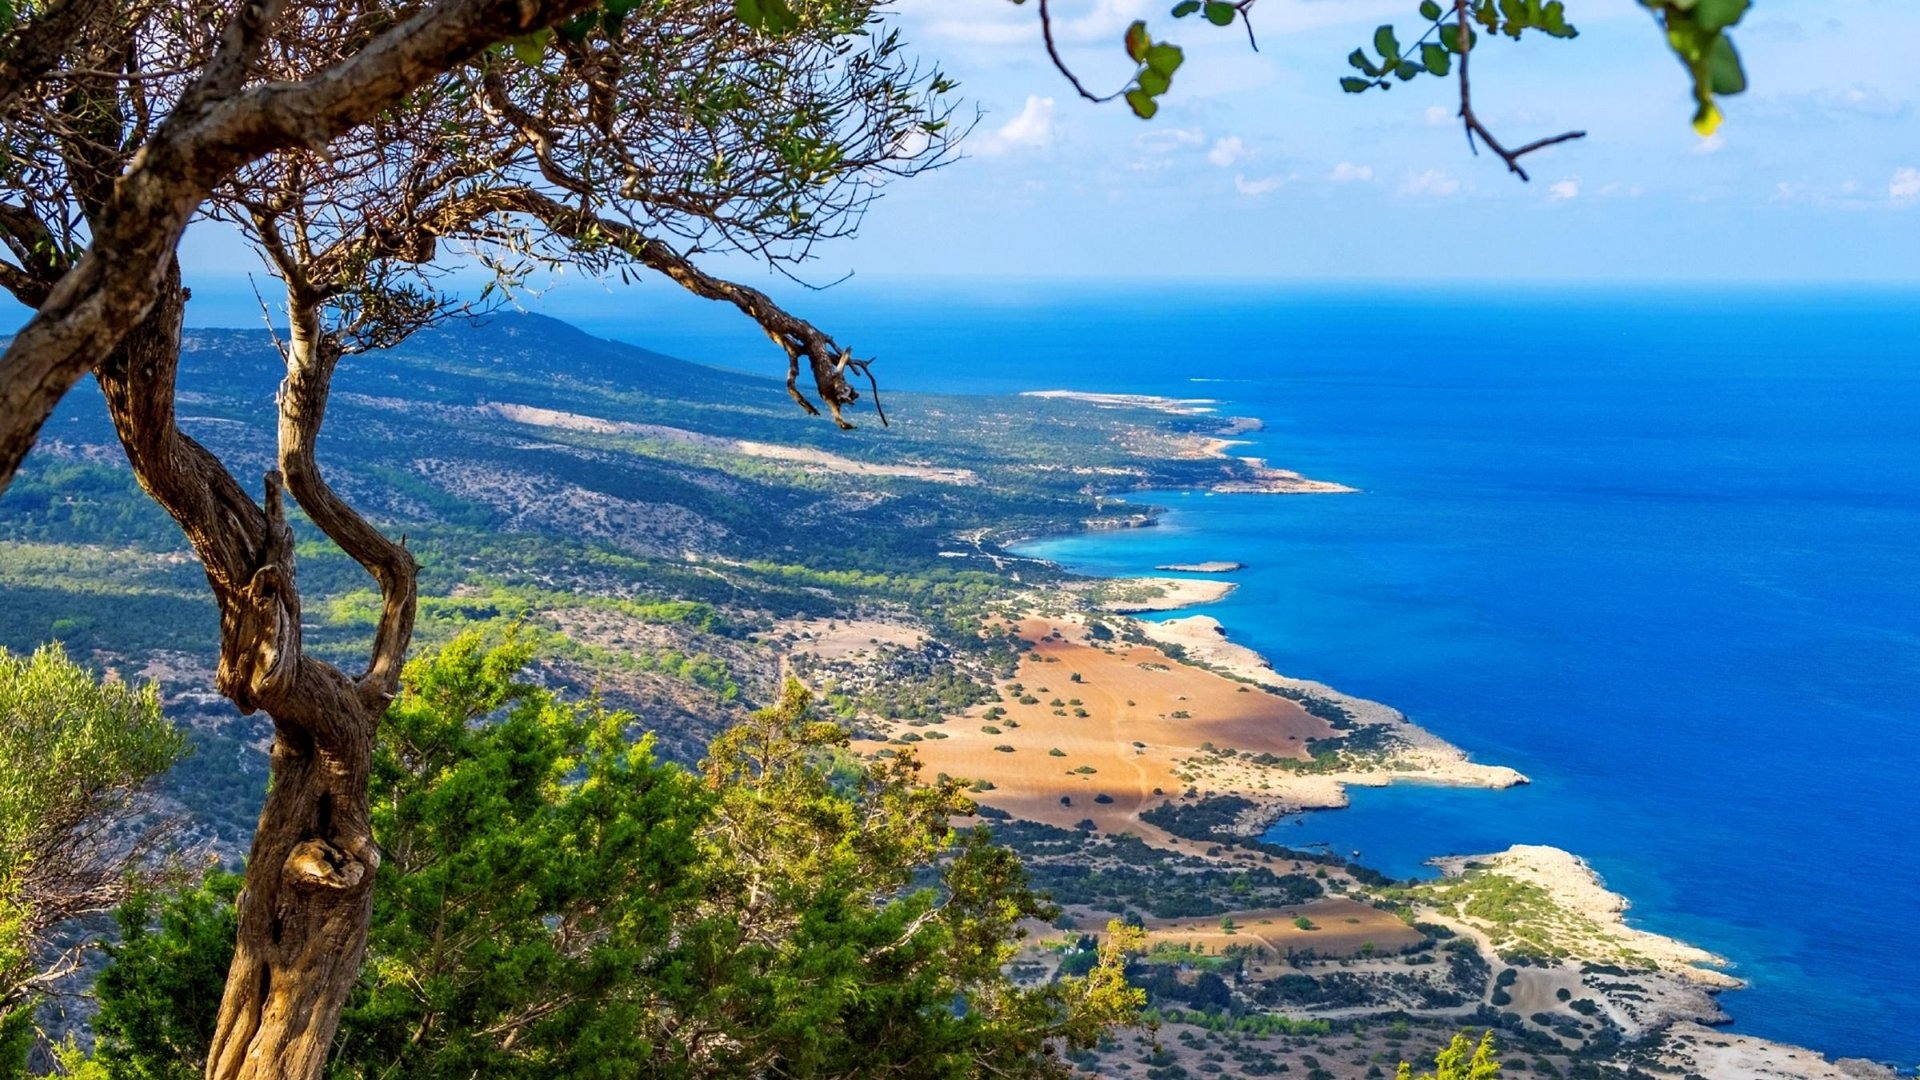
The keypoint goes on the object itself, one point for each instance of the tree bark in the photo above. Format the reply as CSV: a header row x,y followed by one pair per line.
x,y
307,901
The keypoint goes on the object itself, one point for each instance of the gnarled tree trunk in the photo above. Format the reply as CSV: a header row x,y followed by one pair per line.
x,y
304,910
309,890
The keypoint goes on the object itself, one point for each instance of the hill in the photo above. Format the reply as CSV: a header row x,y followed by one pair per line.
x,y
655,523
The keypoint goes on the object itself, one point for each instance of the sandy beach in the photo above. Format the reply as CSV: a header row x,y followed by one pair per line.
x,y
1420,755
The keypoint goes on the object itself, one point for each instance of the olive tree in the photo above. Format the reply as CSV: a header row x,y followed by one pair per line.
x,y
372,143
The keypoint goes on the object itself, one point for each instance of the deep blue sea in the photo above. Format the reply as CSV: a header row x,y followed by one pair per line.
x,y
1657,548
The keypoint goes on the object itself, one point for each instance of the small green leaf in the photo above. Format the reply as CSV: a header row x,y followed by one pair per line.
x,y
1723,66
1429,10
1553,20
532,48
1359,60
1137,41
1406,70
1164,58
1354,85
1142,104
1385,43
1220,13
1185,8
1715,15
1438,59
771,16
1153,82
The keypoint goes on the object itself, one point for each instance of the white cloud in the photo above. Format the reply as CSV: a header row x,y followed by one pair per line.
x,y
1438,116
1256,188
1033,129
1227,152
1348,173
1712,144
1565,190
1905,187
1434,182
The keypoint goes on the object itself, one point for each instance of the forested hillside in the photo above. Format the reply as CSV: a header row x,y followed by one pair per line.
x,y
661,531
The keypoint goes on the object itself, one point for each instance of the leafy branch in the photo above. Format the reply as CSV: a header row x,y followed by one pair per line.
x,y
1450,33
1696,31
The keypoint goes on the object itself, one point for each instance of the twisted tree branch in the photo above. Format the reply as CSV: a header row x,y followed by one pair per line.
x,y
1471,120
311,356
798,338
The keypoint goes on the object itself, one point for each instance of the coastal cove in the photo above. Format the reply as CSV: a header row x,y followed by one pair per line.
x,y
1704,883
1659,562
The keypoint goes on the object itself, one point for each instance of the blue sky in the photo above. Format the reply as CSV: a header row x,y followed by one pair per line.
x,y
1259,169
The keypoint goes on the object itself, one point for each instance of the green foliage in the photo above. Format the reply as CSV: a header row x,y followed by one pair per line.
x,y
534,851
483,599
160,994
1441,39
772,16
557,902
88,597
1698,31
16,1038
1157,62
1462,1059
77,755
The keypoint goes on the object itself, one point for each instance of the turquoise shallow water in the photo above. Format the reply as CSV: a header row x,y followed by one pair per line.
x,y
1659,554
